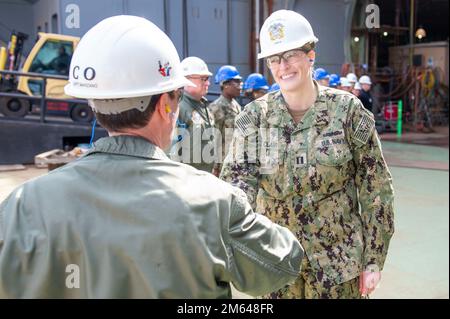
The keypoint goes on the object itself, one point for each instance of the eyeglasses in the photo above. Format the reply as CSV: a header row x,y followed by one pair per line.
x,y
234,81
180,93
201,78
289,57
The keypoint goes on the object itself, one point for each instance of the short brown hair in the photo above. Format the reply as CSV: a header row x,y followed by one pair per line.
x,y
131,118
308,47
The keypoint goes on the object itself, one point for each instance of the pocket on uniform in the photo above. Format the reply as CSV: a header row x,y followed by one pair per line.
x,y
332,169
333,152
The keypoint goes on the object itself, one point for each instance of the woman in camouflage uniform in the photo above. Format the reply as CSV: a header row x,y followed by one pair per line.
x,y
309,158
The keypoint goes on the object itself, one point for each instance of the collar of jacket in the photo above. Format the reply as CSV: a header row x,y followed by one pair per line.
x,y
190,99
128,145
318,114
199,106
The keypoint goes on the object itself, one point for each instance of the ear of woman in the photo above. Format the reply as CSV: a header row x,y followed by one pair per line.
x,y
312,56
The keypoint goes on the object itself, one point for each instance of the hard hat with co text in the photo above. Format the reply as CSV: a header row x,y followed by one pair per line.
x,y
124,57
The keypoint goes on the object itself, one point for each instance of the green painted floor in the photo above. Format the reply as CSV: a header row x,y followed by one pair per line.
x,y
414,155
417,265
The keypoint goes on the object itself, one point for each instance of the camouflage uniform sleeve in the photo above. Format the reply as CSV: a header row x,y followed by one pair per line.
x,y
241,166
218,116
374,183
262,256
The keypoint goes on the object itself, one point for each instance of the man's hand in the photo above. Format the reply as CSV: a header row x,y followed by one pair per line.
x,y
368,281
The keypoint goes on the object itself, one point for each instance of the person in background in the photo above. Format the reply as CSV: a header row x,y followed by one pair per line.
x,y
274,87
352,78
225,108
357,89
345,85
195,118
322,77
335,81
255,86
366,96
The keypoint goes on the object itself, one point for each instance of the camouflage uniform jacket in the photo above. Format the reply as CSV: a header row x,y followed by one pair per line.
x,y
328,164
224,111
196,118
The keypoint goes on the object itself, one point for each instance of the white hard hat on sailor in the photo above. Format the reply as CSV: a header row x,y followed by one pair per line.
x,y
351,77
124,57
194,65
365,79
284,30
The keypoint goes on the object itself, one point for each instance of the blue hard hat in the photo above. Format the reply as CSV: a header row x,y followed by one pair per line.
x,y
321,74
274,87
335,80
226,73
255,81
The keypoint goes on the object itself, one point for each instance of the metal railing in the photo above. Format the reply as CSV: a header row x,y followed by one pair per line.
x,y
43,97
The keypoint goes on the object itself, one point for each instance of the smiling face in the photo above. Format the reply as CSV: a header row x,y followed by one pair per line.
x,y
291,69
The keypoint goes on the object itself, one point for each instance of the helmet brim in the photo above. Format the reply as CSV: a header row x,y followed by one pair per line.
x,y
95,93
284,48
199,73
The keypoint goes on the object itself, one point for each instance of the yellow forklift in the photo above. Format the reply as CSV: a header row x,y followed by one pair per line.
x,y
50,57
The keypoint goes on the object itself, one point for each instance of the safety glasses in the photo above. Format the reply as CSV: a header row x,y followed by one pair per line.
x,y
201,78
289,57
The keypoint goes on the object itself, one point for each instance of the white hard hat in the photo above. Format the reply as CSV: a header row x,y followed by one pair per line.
x,y
345,82
365,79
124,57
193,65
351,77
284,30
357,86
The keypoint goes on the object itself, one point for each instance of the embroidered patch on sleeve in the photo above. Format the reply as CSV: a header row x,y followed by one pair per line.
x,y
245,124
364,129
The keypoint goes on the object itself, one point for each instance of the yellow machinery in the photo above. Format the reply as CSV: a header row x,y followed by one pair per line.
x,y
43,58
3,58
50,56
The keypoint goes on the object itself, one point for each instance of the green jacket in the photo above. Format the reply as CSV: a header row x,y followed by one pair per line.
x,y
199,124
325,178
138,225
